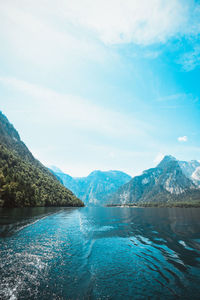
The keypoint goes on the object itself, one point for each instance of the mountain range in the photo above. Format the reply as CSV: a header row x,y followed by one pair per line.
x,y
96,187
170,181
24,181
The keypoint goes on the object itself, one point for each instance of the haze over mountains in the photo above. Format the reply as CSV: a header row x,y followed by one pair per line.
x,y
96,188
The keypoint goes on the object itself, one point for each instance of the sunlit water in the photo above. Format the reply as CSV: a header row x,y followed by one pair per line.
x,y
100,253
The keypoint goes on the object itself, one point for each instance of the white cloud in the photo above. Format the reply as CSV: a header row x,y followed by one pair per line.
x,y
67,34
182,138
31,34
142,22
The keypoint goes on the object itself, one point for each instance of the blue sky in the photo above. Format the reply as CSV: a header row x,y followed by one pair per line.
x,y
104,84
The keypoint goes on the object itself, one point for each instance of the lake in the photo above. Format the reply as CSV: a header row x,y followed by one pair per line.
x,y
100,253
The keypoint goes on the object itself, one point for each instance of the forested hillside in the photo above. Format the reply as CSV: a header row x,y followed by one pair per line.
x,y
24,181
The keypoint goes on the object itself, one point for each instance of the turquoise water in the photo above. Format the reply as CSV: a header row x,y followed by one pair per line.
x,y
100,253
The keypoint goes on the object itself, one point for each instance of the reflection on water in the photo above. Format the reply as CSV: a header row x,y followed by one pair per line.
x,y
100,253
14,219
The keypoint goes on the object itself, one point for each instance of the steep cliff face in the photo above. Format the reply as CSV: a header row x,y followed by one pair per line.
x,y
196,176
95,188
166,182
24,181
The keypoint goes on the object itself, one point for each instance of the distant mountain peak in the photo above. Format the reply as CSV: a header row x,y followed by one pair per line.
x,y
95,188
171,180
109,172
166,160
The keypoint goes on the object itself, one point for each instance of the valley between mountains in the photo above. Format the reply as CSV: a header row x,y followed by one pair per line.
x,y
25,182
171,182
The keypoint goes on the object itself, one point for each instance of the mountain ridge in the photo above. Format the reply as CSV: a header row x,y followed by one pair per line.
x,y
94,188
166,182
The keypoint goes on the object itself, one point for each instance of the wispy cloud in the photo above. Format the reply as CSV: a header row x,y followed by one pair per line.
x,y
76,134
46,34
142,22
190,60
178,97
81,113
92,71
183,138
34,36
111,22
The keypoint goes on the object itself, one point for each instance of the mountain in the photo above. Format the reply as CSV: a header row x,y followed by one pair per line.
x,y
24,181
171,180
191,169
196,176
95,188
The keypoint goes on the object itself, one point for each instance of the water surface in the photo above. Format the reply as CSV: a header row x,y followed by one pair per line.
x,y
100,253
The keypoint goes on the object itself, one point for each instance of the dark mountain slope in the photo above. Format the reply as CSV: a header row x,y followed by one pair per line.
x,y
24,181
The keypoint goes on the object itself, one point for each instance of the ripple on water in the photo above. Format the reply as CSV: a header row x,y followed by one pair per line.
x,y
102,254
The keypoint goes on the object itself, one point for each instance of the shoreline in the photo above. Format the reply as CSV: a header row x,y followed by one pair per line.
x,y
158,205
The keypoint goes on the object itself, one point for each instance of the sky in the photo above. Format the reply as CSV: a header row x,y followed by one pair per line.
x,y
102,84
